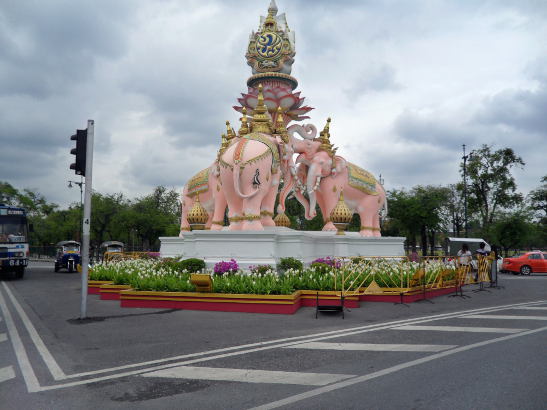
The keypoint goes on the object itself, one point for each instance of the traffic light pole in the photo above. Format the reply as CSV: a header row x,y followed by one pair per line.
x,y
86,223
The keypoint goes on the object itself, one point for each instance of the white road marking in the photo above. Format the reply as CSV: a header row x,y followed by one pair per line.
x,y
291,340
50,362
460,329
350,382
531,308
24,364
508,317
6,373
3,337
261,347
249,375
373,347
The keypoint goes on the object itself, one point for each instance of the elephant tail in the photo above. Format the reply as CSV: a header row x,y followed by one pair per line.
x,y
237,172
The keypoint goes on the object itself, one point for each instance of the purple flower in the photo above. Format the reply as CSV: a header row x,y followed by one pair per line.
x,y
335,263
223,267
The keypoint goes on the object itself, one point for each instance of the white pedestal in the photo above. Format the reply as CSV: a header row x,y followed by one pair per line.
x,y
268,246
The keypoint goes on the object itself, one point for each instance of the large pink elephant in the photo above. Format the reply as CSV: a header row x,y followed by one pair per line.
x,y
207,185
250,172
324,179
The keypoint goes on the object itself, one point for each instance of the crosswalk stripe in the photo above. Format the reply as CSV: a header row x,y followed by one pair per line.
x,y
3,337
508,317
6,373
374,347
471,329
531,308
248,375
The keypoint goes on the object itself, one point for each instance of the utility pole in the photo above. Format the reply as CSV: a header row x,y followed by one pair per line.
x,y
465,157
87,215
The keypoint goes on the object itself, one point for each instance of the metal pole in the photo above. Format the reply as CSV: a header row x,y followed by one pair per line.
x,y
465,193
87,215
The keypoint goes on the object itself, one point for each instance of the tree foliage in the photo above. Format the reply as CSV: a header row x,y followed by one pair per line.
x,y
492,187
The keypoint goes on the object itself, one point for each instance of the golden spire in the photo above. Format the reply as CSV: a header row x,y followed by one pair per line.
x,y
324,138
280,127
223,143
270,23
229,131
244,127
261,120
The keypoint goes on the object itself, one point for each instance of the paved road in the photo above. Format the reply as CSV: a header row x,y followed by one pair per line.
x,y
484,352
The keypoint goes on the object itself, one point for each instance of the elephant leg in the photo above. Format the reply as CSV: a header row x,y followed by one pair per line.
x,y
218,215
376,220
368,210
267,208
326,208
251,209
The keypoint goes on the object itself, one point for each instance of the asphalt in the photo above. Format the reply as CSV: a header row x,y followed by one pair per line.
x,y
505,374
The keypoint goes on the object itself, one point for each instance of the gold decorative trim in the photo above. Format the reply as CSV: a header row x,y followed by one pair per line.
x,y
266,213
249,217
278,76
372,228
186,228
221,223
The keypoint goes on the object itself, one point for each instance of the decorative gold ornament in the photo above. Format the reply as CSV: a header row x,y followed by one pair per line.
x,y
229,131
282,220
341,215
280,127
221,223
244,130
266,213
324,138
261,119
197,217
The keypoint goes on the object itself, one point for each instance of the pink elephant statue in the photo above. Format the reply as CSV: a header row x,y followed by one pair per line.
x,y
324,180
250,172
207,185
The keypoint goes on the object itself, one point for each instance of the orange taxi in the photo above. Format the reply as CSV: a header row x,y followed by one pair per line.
x,y
526,263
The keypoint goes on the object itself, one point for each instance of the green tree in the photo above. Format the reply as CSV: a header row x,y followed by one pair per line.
x,y
492,187
511,231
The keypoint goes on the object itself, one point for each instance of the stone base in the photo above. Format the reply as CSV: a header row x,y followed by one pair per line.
x,y
269,246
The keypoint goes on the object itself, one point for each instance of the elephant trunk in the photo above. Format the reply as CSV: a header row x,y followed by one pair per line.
x,y
287,188
312,183
237,172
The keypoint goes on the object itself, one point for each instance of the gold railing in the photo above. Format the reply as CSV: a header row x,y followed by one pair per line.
x,y
117,256
367,275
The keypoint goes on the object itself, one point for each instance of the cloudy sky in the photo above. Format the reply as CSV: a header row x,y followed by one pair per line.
x,y
405,82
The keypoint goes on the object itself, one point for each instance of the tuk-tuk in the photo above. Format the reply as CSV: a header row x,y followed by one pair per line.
x,y
111,247
68,256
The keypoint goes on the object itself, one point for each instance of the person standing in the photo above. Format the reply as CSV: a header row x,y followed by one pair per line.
x,y
464,259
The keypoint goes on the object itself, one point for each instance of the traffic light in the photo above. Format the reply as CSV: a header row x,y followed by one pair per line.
x,y
80,151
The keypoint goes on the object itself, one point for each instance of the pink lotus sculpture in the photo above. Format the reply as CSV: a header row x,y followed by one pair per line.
x,y
276,95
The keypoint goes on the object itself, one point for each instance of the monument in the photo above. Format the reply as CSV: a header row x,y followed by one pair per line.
x,y
252,163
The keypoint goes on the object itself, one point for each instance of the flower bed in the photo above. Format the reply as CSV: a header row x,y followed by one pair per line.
x,y
163,283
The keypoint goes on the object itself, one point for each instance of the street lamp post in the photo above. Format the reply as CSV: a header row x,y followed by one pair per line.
x,y
465,157
80,184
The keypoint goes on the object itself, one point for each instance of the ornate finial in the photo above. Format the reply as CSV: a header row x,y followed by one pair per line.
x,y
341,215
272,9
261,120
282,220
280,127
197,217
324,137
244,127
223,143
229,131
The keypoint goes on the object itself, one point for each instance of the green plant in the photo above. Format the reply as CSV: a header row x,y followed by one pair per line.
x,y
192,265
261,270
290,263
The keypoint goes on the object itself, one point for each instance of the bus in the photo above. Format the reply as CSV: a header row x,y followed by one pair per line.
x,y
14,246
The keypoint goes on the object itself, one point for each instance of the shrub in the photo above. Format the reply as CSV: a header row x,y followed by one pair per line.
x,y
332,262
290,263
261,269
191,265
223,267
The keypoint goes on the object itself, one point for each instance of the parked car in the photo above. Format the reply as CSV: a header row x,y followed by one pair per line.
x,y
526,263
